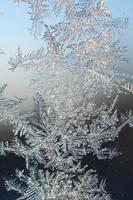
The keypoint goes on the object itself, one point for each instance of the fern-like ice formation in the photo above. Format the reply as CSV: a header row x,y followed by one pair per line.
x,y
79,59
8,107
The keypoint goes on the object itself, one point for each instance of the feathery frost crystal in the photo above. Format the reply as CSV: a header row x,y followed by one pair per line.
x,y
79,60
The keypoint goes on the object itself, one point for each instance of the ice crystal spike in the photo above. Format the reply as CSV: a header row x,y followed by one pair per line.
x,y
128,87
8,107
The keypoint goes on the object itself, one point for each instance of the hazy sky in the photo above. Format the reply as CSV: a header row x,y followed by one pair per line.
x,y
14,32
14,25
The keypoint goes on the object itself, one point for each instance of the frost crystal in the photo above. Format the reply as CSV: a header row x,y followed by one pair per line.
x,y
80,58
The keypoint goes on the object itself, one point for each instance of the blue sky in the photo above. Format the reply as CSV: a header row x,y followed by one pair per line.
x,y
123,9
14,31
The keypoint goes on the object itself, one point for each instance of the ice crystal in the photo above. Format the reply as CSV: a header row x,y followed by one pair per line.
x,y
8,106
80,58
41,186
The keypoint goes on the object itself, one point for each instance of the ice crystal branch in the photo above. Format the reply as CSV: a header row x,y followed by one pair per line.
x,y
8,106
80,46
42,185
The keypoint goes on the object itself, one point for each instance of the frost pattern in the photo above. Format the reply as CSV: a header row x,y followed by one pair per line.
x,y
80,58
46,186
8,107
